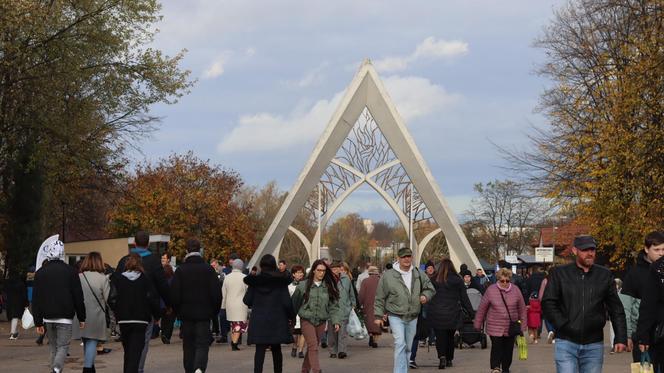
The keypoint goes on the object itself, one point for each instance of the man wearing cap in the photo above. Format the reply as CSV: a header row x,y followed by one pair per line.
x,y
401,292
576,300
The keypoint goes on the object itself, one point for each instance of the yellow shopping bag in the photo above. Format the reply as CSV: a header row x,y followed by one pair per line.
x,y
644,366
522,346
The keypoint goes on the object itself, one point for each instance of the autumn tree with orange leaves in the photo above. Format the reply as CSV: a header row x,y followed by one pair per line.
x,y
185,196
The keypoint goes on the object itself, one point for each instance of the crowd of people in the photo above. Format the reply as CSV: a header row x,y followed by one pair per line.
x,y
311,308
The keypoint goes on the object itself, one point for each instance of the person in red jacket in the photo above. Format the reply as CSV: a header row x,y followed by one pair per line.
x,y
534,317
501,304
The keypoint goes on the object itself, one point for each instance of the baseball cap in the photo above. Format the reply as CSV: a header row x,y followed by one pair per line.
x,y
585,242
404,251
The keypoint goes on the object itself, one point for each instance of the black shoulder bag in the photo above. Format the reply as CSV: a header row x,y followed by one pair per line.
x,y
107,316
515,326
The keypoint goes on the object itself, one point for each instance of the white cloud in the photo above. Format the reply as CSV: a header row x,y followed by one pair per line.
x,y
414,97
313,77
264,131
250,52
429,48
433,48
215,70
417,97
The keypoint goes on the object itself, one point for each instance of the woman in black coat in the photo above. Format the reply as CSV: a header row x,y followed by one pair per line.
x,y
651,315
17,300
271,312
444,311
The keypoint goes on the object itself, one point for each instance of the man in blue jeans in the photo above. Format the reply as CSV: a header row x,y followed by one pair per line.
x,y
400,292
575,301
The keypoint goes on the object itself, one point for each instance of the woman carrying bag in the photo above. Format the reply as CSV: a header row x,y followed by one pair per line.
x,y
316,300
17,301
96,289
504,311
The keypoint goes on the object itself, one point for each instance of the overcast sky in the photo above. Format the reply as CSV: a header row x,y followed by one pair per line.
x,y
271,73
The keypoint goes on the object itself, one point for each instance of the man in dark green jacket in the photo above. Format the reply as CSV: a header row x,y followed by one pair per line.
x,y
401,292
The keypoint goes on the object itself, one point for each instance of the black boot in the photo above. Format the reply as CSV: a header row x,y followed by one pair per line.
x,y
234,347
442,362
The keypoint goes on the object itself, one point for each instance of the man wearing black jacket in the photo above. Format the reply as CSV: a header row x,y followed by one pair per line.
x,y
636,281
155,272
576,300
196,297
57,296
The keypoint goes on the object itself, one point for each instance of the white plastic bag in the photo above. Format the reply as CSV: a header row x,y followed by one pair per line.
x,y
355,328
27,321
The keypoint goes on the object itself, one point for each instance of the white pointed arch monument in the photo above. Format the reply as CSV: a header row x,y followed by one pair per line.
x,y
366,142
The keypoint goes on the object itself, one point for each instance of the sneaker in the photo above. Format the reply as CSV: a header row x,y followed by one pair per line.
x,y
412,364
13,336
323,345
496,370
549,337
293,352
300,355
342,355
333,356
165,340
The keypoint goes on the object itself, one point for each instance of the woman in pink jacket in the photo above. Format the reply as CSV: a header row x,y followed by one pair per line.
x,y
501,303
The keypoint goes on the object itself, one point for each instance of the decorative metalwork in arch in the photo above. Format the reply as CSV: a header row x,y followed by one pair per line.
x,y
366,141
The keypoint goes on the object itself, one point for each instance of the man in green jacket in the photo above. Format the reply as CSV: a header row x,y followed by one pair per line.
x,y
401,292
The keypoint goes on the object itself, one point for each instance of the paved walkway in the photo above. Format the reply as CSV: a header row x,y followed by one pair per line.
x,y
23,355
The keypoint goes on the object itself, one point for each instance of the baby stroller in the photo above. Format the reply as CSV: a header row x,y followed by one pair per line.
x,y
467,332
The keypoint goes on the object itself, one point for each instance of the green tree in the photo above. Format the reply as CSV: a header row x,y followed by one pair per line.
x,y
77,80
601,154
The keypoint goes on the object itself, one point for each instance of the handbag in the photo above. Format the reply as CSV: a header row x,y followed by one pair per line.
x,y
107,316
515,326
27,321
355,329
522,347
645,366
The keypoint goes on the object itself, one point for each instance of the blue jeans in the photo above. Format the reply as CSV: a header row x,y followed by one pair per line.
x,y
577,358
403,332
89,352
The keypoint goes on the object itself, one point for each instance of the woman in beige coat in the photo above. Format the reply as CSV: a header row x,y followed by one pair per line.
x,y
237,312
96,288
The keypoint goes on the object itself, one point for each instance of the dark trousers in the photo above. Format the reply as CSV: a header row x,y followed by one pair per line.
x,y
259,357
215,324
636,352
502,349
445,343
133,341
224,325
413,350
195,344
657,357
167,325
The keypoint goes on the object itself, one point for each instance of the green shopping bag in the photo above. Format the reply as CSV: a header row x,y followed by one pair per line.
x,y
522,346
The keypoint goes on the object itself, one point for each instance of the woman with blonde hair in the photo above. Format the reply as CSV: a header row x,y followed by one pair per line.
x,y
502,306
96,288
